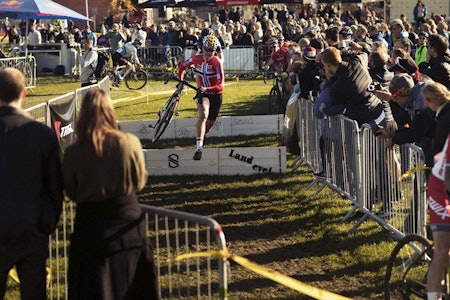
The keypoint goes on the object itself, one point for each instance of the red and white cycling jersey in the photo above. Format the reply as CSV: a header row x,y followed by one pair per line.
x,y
439,166
209,74
438,200
281,57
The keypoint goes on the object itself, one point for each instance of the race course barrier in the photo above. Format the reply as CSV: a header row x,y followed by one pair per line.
x,y
216,161
357,164
224,126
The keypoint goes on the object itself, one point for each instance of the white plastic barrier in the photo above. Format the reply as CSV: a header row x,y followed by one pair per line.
x,y
224,126
216,161
235,59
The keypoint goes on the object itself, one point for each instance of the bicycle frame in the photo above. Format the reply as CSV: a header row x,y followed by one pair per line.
x,y
277,96
134,78
167,112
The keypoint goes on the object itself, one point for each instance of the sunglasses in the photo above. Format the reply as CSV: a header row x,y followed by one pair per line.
x,y
208,49
394,95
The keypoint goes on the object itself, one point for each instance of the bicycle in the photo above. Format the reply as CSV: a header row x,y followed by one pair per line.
x,y
135,78
277,96
407,268
166,113
23,64
26,67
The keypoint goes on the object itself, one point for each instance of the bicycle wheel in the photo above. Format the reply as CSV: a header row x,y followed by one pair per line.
x,y
28,73
406,272
165,116
275,101
136,80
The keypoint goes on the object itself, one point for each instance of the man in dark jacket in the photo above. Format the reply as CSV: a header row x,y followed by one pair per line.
x,y
31,190
438,66
405,92
348,82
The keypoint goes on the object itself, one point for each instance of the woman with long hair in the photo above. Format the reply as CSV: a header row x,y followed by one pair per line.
x,y
110,255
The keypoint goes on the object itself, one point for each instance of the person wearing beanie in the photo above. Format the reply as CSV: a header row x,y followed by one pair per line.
x,y
308,73
410,107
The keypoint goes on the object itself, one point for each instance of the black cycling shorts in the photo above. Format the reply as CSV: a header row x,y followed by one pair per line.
x,y
118,59
215,102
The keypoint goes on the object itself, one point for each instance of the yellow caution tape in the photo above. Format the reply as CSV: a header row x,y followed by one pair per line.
x,y
268,273
414,170
13,274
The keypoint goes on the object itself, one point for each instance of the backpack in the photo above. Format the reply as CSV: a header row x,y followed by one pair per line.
x,y
102,61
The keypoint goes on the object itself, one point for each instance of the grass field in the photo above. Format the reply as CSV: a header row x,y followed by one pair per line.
x,y
269,219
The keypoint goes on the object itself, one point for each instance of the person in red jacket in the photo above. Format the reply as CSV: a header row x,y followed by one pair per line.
x,y
210,81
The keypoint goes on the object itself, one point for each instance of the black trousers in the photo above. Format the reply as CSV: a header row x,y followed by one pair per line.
x,y
28,252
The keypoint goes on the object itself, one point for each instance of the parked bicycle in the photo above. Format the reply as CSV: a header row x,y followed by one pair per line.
x,y
26,67
278,96
135,78
23,64
407,268
166,113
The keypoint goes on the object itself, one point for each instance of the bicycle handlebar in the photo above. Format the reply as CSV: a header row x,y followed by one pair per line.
x,y
184,82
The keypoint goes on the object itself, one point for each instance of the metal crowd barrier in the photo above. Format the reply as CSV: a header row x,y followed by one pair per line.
x,y
330,146
25,64
262,56
236,59
309,131
356,164
239,60
160,59
171,233
41,111
397,203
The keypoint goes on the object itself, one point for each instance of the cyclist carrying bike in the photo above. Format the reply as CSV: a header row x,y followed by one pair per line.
x,y
210,81
126,55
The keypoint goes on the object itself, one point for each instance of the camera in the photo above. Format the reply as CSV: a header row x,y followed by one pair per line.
x,y
375,86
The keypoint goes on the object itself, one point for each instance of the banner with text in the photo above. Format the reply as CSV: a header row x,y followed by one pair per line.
x,y
62,118
216,161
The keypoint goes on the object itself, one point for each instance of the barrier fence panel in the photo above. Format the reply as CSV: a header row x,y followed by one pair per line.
x,y
397,203
313,131
357,164
159,58
262,56
162,59
79,93
302,134
39,113
330,146
239,60
27,65
174,233
341,146
58,260
171,233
